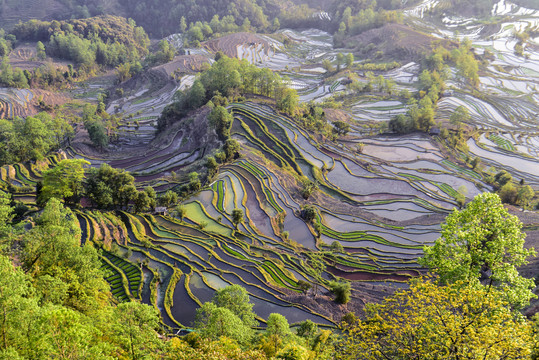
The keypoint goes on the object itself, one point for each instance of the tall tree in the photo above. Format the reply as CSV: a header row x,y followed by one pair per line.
x,y
64,181
135,327
214,322
237,217
236,299
483,245
277,328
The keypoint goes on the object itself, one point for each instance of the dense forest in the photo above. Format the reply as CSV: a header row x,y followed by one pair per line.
x,y
106,40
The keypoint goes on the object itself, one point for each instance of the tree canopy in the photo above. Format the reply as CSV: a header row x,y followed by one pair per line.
x,y
428,321
483,244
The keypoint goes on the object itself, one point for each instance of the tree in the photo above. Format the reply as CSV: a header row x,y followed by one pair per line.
x,y
14,303
349,60
212,166
428,321
40,49
342,291
460,115
52,248
64,181
135,328
169,198
237,217
221,120
231,149
483,245
180,211
288,101
508,193
318,266
340,60
194,182
152,196
476,162
502,178
308,187
307,329
276,25
336,246
142,201
97,132
214,322
6,215
107,187
197,95
236,299
524,195
277,328
341,128
303,285
183,24
308,213
326,64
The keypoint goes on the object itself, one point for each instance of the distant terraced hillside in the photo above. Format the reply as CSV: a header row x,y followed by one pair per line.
x,y
396,41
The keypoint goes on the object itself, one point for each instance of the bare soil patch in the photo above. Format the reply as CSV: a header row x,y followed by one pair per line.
x,y
182,64
228,44
396,41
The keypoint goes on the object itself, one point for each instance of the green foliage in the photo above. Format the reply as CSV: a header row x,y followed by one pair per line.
x,y
307,329
31,138
341,128
277,330
64,181
228,77
236,299
308,213
142,201
214,322
342,291
524,195
221,120
231,149
460,115
40,50
180,211
170,198
502,178
308,187
212,166
110,188
52,248
287,100
135,328
483,245
237,217
107,40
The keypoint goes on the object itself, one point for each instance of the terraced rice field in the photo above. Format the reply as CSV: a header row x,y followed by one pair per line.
x,y
382,206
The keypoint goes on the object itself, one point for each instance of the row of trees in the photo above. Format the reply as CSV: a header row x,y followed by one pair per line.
x,y
45,76
230,315
203,30
108,188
